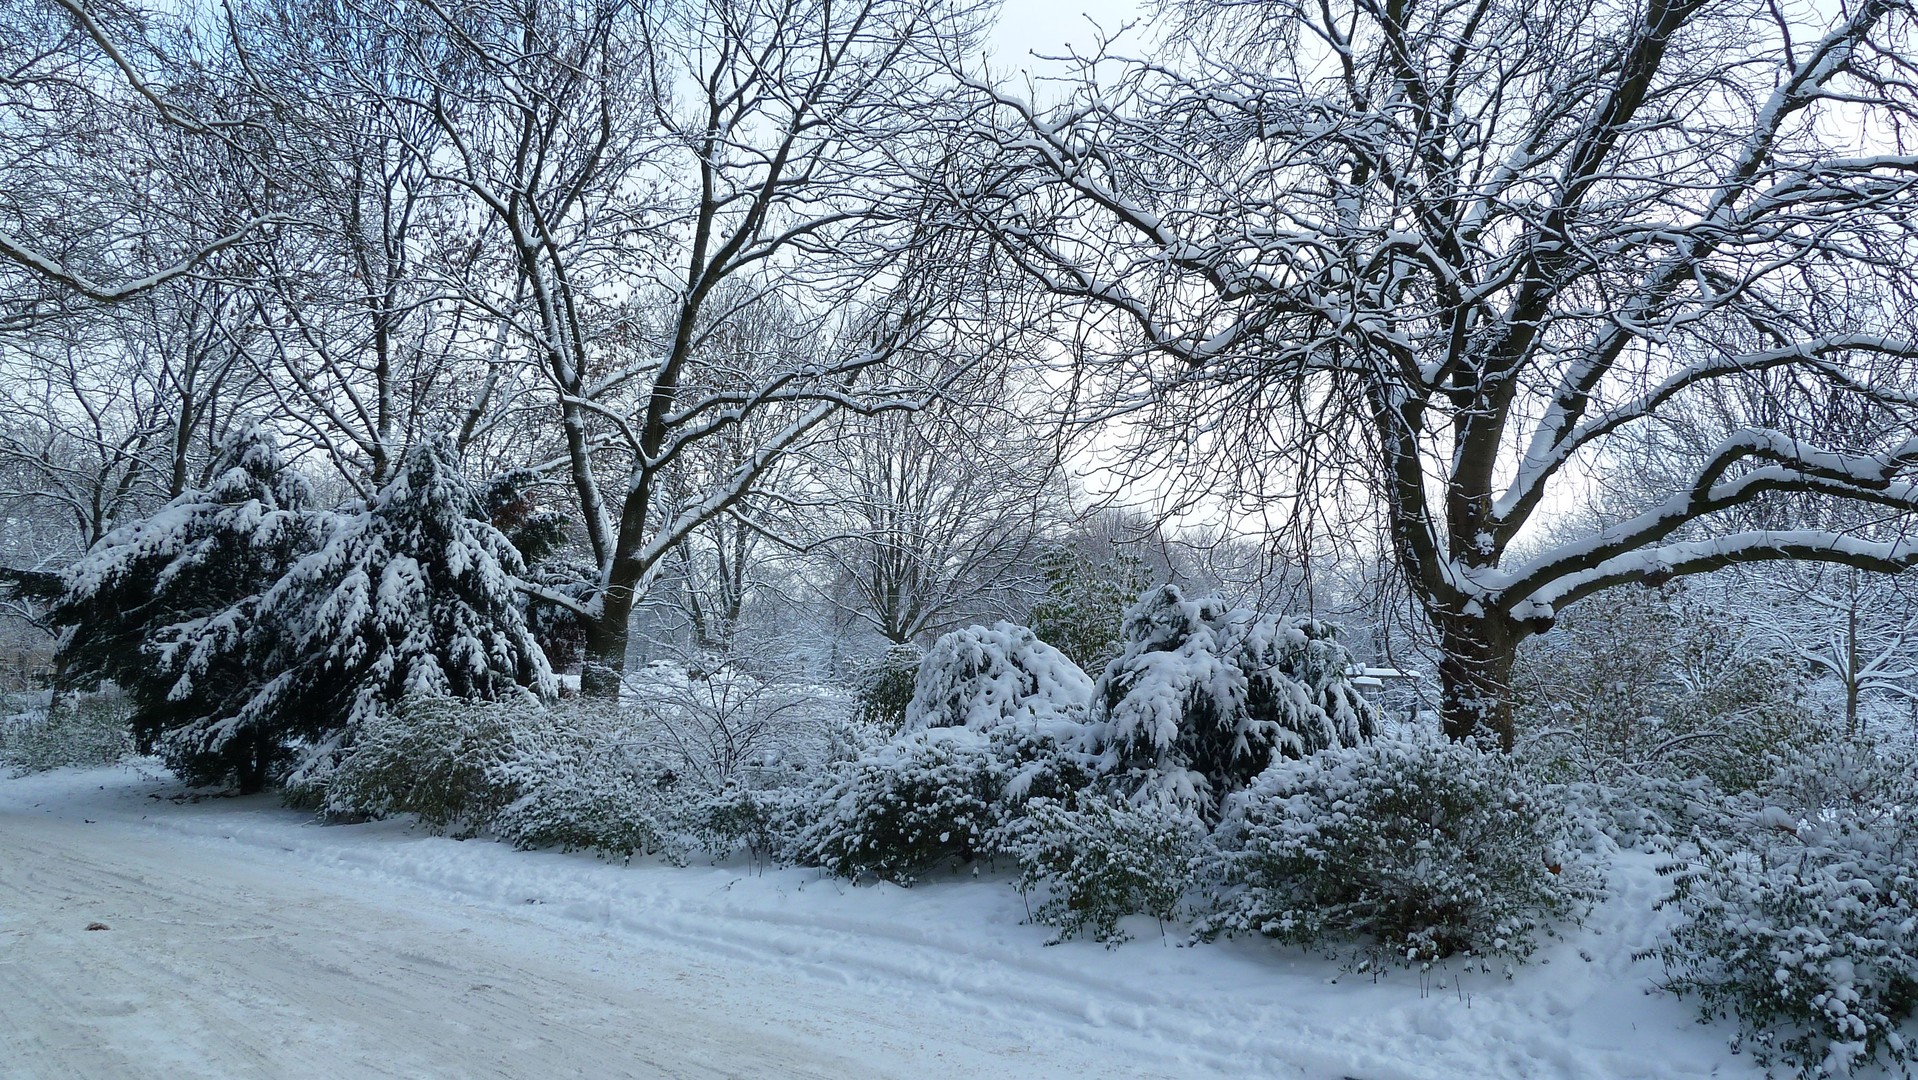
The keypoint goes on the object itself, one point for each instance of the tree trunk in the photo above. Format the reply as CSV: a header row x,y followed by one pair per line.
x,y
1851,667
603,667
1475,681
256,762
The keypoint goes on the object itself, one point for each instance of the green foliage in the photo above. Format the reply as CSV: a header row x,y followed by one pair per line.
x,y
506,502
1093,860
1205,696
760,822
412,596
1413,849
1642,680
1799,914
926,800
1085,603
437,758
73,729
170,608
885,686
572,778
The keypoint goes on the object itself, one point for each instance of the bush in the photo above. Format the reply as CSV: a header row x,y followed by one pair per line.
x,y
1418,849
985,677
725,727
1085,602
928,799
580,782
571,778
1656,682
1093,860
1654,812
438,758
1799,914
71,729
760,821
885,686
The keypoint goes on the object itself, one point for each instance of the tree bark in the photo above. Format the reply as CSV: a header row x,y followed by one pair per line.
x,y
602,669
1475,680
256,762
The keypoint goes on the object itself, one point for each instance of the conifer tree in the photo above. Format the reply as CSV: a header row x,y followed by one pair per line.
x,y
1205,697
168,608
414,595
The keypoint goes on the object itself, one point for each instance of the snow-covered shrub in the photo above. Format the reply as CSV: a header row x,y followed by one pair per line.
x,y
984,677
886,685
1799,915
412,596
1093,860
581,781
577,776
1658,682
71,729
759,821
1414,849
1640,811
438,758
1205,697
169,608
723,726
927,799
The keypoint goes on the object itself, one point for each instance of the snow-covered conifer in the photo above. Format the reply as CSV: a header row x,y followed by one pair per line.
x,y
167,607
413,595
1206,696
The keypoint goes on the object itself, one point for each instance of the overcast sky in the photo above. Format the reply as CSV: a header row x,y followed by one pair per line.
x,y
1043,26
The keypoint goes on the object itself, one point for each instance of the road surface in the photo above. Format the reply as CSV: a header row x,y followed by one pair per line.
x,y
227,963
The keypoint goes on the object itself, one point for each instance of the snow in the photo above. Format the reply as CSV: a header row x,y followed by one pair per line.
x,y
983,677
248,940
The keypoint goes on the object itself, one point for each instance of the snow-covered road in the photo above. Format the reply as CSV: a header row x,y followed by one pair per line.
x,y
220,963
223,965
248,941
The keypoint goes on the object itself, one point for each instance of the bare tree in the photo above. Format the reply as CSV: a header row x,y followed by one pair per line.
x,y
1433,259
939,514
697,159
1856,628
92,98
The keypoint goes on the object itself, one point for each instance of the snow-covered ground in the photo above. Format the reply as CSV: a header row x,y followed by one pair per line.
x,y
248,941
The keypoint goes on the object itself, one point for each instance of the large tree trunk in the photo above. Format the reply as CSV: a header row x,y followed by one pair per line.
x,y
1475,680
603,667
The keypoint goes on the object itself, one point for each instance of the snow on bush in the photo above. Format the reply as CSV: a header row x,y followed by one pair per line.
x,y
1651,813
1414,849
573,777
715,762
581,782
1092,860
738,751
724,726
927,799
438,758
1641,682
67,729
1205,697
984,677
1799,914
